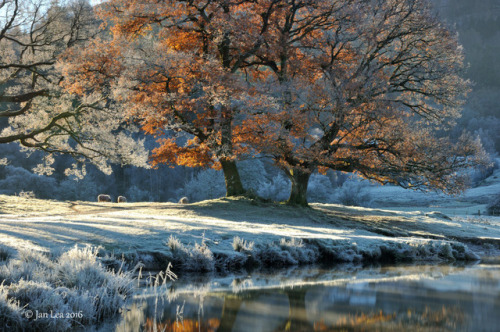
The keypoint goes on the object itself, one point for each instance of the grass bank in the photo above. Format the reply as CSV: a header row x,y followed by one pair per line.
x,y
226,234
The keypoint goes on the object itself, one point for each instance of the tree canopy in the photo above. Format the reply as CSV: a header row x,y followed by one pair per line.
x,y
176,65
365,86
366,89
40,114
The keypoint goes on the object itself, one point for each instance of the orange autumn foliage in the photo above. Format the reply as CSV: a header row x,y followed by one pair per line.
x,y
186,325
353,86
364,91
176,68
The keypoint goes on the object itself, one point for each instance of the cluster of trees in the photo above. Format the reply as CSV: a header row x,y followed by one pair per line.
x,y
35,110
136,183
168,184
357,86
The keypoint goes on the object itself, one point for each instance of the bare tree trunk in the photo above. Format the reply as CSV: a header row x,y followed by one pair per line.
x,y
234,187
299,178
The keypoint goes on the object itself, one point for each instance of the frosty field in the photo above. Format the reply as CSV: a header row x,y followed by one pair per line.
x,y
42,269
226,234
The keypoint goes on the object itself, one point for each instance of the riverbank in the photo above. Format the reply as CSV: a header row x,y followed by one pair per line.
x,y
227,234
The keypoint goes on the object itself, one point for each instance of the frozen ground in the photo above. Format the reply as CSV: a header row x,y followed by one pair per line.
x,y
472,202
231,233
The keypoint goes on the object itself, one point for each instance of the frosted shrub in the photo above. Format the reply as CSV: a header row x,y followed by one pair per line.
x,y
135,194
174,244
277,189
446,252
354,193
299,251
293,242
198,258
44,298
15,270
207,184
32,256
5,253
427,250
30,265
272,255
19,179
73,188
241,245
10,312
76,283
319,189
108,302
287,252
479,174
236,261
79,268
253,174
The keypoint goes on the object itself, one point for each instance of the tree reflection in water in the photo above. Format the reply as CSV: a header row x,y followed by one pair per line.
x,y
442,298
187,325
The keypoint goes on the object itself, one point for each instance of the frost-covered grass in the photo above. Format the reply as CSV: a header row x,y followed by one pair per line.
x,y
241,245
295,251
42,293
197,258
231,233
5,253
472,201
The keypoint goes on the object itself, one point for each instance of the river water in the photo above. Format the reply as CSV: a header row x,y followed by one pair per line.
x,y
344,298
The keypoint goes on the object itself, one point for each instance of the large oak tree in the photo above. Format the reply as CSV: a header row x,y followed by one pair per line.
x,y
359,86
365,87
176,65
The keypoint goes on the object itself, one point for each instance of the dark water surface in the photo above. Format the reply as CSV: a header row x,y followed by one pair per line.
x,y
346,298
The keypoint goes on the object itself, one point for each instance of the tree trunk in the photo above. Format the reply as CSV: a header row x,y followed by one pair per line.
x,y
297,318
230,311
120,180
234,187
299,179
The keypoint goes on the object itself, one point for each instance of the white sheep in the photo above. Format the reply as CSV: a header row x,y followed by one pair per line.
x,y
184,200
122,199
103,198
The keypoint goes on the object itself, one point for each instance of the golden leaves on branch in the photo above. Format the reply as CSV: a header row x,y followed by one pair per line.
x,y
324,85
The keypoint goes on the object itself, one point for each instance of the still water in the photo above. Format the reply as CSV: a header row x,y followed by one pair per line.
x,y
346,298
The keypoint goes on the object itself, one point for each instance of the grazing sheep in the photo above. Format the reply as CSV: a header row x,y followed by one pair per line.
x,y
184,200
103,198
122,199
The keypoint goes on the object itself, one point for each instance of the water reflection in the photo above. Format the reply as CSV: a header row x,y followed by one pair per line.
x,y
413,298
